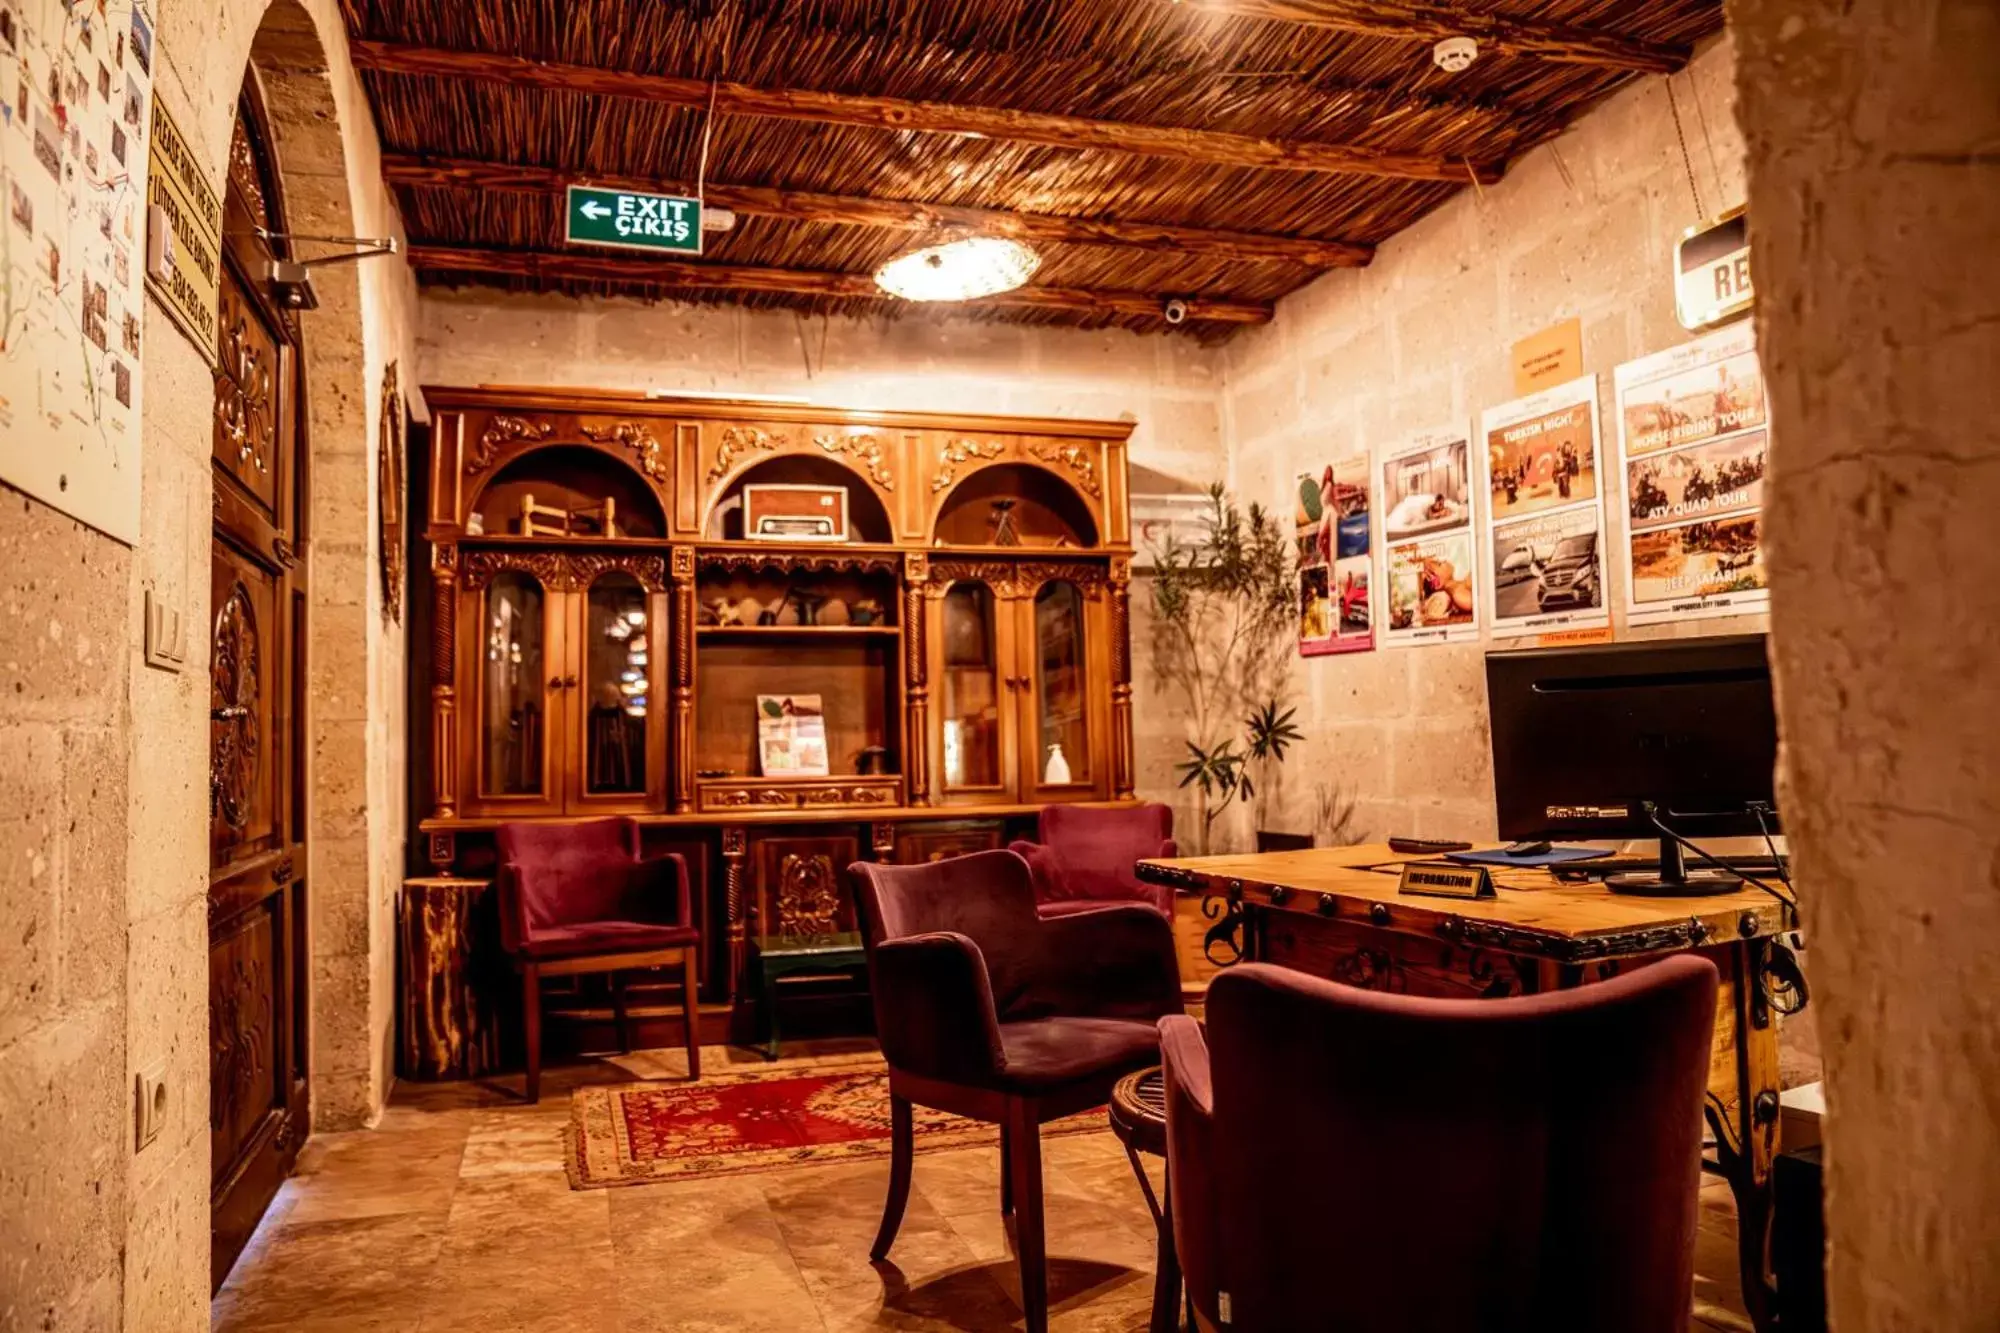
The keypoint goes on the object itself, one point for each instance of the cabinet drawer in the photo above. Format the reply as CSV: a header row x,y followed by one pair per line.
x,y
842,792
748,794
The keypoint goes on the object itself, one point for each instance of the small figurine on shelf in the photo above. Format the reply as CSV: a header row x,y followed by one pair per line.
x,y
873,759
867,611
1056,773
1002,521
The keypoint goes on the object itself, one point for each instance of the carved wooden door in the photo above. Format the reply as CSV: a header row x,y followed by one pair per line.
x,y
257,856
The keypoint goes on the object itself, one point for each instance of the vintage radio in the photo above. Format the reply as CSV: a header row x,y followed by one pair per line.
x,y
791,513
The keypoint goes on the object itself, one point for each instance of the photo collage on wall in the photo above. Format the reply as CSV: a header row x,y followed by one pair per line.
x,y
1429,558
1693,437
1545,503
1336,613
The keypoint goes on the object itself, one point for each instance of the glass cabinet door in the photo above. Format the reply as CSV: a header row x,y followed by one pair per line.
x,y
513,681
970,703
1061,719
616,673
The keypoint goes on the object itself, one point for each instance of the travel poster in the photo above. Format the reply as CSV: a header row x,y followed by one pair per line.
x,y
1694,438
1545,497
1334,559
1429,560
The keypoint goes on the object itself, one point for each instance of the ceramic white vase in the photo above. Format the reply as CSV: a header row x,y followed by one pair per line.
x,y
1056,772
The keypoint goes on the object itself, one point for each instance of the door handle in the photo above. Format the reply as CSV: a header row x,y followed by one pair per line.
x,y
228,714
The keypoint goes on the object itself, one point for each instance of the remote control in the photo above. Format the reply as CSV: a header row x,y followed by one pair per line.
x,y
1427,846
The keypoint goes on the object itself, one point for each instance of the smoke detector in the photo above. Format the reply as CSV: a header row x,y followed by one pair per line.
x,y
1455,53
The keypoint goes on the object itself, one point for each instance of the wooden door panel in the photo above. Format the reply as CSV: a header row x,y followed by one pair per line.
x,y
249,429
919,844
244,1027
256,897
801,884
518,722
246,685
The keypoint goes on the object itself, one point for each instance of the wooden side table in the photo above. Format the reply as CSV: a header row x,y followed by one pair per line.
x,y
446,1027
790,955
1139,1119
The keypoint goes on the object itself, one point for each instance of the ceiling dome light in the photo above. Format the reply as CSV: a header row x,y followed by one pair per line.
x,y
960,270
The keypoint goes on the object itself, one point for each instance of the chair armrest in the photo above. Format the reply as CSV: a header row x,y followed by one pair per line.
x,y
1191,1163
1044,868
1184,1056
934,1007
1116,961
671,866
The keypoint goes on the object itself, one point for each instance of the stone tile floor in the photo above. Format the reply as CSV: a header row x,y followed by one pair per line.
x,y
456,1214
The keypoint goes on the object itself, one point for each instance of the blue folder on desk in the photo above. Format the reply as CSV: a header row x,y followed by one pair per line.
x,y
1554,856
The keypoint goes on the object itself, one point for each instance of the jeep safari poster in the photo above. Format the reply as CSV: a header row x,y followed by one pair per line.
x,y
1541,469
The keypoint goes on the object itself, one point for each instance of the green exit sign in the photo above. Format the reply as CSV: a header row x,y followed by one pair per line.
x,y
633,220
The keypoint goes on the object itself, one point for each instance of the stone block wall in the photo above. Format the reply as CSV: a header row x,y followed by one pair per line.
x,y
105,828
1583,227
1875,211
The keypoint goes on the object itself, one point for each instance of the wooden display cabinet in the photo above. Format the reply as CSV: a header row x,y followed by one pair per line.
x,y
602,629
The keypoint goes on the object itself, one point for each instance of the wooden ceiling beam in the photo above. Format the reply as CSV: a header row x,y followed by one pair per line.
x,y
1412,20
856,211
1215,147
539,265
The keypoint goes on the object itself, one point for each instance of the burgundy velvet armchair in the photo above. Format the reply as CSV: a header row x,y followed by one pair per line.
x,y
987,1010
1084,859
580,898
1344,1159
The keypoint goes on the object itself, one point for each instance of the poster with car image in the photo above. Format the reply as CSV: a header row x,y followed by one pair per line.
x,y
1694,441
1333,527
1429,559
1546,506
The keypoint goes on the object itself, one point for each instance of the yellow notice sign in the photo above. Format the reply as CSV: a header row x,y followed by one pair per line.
x,y
1553,356
183,235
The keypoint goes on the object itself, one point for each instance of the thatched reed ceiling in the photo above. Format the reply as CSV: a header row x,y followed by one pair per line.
x,y
624,89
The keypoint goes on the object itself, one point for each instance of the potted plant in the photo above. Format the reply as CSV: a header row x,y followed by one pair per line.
x,y
1223,611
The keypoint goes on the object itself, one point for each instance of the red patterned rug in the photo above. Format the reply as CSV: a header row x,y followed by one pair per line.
x,y
753,1120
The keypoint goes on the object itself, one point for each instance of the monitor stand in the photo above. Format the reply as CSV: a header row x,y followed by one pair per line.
x,y
1673,879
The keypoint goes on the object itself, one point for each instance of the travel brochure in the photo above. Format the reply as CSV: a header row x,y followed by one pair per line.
x,y
1429,563
1335,610
791,736
1546,504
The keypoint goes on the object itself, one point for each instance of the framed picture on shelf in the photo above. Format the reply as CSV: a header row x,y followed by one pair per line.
x,y
791,736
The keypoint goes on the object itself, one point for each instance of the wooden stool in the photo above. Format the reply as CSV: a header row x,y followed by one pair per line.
x,y
1139,1119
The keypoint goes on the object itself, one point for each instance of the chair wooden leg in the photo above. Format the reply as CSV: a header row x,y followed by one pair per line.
x,y
618,1018
691,1013
1006,1171
902,1148
1025,1130
531,1027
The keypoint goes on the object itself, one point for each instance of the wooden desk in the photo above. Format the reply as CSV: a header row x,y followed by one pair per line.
x,y
1336,913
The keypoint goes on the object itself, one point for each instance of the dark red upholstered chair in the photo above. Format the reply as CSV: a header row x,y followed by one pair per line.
x,y
987,1010
1084,859
1343,1159
579,898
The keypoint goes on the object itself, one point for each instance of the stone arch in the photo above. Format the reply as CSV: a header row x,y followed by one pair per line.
x,y
355,806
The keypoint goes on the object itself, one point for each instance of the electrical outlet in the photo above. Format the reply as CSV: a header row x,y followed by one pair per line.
x,y
150,1101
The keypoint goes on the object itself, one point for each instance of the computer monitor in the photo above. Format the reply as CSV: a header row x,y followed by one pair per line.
x,y
1583,738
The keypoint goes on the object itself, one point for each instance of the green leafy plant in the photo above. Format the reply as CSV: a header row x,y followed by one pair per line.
x,y
1223,613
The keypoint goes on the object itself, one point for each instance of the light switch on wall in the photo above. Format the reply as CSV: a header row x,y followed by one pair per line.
x,y
166,635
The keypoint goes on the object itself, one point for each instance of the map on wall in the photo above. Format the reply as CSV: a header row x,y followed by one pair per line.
x,y
75,88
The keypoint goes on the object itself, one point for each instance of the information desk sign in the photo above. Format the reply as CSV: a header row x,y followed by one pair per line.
x,y
1442,879
633,220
